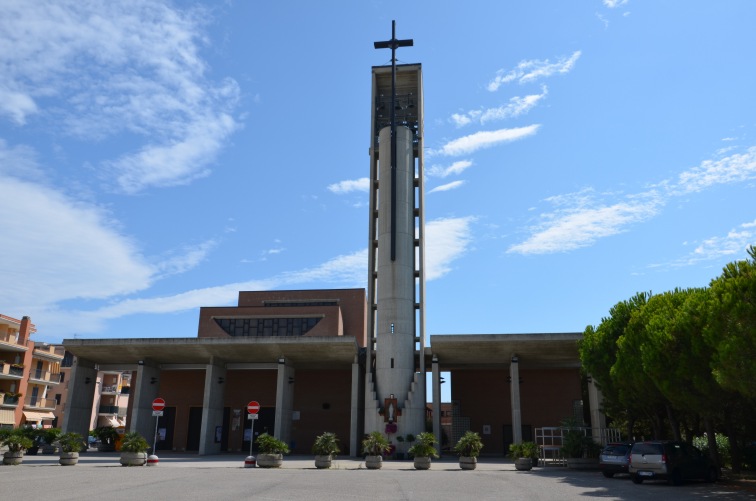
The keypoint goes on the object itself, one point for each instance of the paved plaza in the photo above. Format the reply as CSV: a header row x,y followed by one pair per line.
x,y
179,476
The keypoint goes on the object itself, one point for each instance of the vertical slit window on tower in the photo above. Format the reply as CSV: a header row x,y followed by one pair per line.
x,y
392,363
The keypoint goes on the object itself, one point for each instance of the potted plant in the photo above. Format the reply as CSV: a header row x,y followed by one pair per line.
x,y
49,437
270,451
35,436
70,445
325,447
468,449
17,443
579,450
423,450
531,450
107,435
134,449
11,398
374,446
517,453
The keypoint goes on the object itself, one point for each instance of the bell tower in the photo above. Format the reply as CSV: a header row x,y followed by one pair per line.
x,y
395,376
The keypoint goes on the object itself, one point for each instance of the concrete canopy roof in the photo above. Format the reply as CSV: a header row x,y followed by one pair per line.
x,y
301,352
496,350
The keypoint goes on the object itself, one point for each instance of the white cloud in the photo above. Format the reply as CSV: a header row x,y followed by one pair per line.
x,y
580,220
348,186
528,71
59,249
732,169
19,162
613,4
446,240
457,167
447,186
718,248
190,257
120,67
517,106
16,106
484,139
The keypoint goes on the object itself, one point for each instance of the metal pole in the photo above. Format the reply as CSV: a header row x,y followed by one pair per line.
x,y
154,440
251,433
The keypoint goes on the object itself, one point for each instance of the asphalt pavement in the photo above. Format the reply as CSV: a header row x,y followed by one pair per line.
x,y
186,476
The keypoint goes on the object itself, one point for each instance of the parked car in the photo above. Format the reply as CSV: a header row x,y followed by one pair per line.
x,y
614,459
671,461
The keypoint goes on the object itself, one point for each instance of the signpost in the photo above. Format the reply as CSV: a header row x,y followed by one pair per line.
x,y
252,408
157,410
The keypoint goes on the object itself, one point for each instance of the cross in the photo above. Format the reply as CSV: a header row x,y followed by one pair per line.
x,y
393,44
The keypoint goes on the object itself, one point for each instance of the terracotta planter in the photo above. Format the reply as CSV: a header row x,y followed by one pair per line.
x,y
422,463
133,458
373,462
523,464
322,462
467,463
13,458
269,460
68,458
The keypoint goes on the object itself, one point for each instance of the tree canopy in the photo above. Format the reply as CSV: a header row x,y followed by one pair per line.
x,y
682,361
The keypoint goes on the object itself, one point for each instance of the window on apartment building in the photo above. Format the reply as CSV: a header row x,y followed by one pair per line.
x,y
57,398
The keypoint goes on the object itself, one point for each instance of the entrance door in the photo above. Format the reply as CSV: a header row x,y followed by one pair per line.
x,y
265,423
165,429
195,429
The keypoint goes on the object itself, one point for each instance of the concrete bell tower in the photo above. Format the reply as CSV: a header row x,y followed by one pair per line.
x,y
395,378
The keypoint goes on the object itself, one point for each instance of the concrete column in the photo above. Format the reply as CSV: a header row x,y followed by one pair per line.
x,y
144,391
598,418
514,389
436,383
81,392
395,331
212,406
284,401
356,417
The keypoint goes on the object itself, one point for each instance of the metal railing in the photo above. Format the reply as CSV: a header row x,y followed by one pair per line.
x,y
108,409
7,400
40,403
45,376
11,370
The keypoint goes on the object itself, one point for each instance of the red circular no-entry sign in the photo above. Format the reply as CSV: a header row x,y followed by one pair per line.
x,y
158,404
253,407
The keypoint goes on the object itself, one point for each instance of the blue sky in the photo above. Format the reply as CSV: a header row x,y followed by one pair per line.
x,y
160,156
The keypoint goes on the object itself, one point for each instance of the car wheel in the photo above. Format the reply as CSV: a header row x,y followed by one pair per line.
x,y
675,478
608,474
711,475
637,479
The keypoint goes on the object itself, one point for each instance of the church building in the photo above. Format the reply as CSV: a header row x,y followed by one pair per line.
x,y
349,361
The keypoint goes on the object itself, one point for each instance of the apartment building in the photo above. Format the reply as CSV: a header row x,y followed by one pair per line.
x,y
30,374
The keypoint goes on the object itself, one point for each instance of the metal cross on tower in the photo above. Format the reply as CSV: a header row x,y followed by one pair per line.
x,y
393,44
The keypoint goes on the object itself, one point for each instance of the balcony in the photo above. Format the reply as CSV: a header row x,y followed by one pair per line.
x,y
109,390
44,377
108,409
49,352
38,403
8,343
11,371
8,401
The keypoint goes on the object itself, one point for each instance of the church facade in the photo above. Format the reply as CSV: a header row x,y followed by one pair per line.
x,y
349,361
